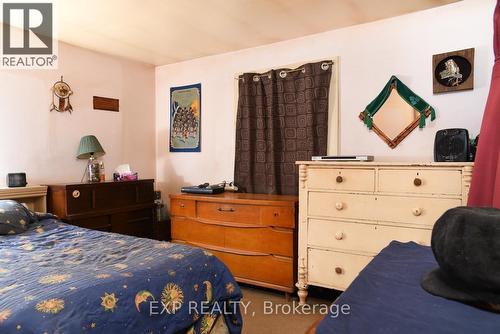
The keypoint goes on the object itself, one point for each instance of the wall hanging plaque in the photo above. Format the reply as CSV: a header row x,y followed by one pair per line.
x,y
453,71
60,97
185,118
396,112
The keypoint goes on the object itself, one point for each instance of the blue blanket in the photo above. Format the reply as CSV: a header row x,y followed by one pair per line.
x,y
58,278
386,297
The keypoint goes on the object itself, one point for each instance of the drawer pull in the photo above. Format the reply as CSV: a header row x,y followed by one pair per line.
x,y
76,193
339,206
226,210
182,205
417,212
339,179
338,270
417,182
339,235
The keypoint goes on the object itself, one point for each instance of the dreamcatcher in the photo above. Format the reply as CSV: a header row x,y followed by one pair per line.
x,y
60,98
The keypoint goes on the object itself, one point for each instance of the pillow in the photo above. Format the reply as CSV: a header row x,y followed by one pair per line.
x,y
14,217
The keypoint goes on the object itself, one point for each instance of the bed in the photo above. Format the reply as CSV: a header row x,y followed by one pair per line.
x,y
386,297
59,278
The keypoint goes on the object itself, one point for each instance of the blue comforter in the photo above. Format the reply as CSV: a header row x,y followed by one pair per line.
x,y
58,278
387,298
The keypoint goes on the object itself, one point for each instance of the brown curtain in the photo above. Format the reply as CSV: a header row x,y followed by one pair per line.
x,y
282,118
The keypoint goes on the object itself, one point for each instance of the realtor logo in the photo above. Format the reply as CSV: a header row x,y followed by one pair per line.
x,y
28,36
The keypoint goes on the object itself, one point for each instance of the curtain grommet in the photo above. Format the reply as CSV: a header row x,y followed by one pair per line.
x,y
325,66
255,78
282,74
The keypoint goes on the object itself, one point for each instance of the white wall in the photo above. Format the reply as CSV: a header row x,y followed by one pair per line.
x,y
44,144
369,55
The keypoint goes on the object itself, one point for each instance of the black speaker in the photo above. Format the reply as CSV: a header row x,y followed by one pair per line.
x,y
452,145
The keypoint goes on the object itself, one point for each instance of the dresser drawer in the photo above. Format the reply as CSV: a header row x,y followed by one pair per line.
x,y
259,268
228,212
361,237
334,269
413,210
279,216
138,223
186,229
101,223
420,181
276,241
341,205
183,207
266,240
79,200
341,179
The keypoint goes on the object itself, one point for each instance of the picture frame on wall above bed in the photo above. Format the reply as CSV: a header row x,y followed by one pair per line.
x,y
185,118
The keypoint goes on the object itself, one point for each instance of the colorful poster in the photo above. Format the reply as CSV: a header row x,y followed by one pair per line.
x,y
185,118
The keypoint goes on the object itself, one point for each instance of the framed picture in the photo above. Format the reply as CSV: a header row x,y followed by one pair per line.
x,y
185,118
453,71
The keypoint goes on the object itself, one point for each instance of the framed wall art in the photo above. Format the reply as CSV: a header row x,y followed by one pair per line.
x,y
185,118
453,71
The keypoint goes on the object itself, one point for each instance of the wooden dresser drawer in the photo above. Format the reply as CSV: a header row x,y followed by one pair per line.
x,y
269,269
79,200
341,205
342,179
279,216
265,240
413,210
334,269
183,207
420,181
102,223
190,230
229,212
361,237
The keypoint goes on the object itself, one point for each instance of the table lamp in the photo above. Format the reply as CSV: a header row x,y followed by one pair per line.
x,y
90,149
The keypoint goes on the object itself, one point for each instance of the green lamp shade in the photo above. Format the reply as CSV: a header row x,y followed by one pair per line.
x,y
89,145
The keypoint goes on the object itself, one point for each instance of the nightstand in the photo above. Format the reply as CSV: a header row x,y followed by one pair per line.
x,y
119,207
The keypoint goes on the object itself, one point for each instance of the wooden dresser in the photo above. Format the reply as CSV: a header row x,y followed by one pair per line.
x,y
348,212
120,207
254,235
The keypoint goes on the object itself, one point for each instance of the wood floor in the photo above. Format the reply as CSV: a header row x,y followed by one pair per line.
x,y
256,319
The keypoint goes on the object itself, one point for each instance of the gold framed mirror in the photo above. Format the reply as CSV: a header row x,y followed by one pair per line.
x,y
396,112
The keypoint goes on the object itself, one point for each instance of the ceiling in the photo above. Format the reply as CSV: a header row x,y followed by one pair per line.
x,y
167,31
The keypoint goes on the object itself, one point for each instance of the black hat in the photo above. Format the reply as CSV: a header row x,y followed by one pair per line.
x,y
466,244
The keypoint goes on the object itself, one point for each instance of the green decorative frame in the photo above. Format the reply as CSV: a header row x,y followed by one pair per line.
x,y
416,102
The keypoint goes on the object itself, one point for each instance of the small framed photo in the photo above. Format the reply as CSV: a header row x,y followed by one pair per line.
x,y
453,71
185,118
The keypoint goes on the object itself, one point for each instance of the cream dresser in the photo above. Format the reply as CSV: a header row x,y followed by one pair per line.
x,y
348,212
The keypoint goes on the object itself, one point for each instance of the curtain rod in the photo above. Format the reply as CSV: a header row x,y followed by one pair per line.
x,y
324,66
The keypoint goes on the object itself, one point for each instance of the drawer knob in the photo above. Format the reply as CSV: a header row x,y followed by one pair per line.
x,y
339,235
417,182
339,179
417,212
182,205
226,210
76,193
338,270
339,206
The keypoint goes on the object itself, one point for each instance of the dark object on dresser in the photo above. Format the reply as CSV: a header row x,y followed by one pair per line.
x,y
16,180
120,207
253,234
452,145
